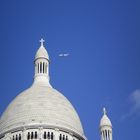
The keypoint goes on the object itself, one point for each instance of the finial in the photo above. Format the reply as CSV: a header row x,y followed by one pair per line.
x,y
42,41
104,111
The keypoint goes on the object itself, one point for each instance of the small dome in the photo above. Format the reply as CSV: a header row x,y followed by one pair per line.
x,y
105,121
42,53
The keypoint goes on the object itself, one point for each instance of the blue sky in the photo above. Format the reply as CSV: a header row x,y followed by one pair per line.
x,y
103,68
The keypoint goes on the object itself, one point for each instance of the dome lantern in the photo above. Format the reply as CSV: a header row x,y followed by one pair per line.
x,y
105,127
42,65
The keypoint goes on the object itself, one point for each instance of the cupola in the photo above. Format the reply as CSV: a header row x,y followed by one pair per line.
x,y
105,127
42,65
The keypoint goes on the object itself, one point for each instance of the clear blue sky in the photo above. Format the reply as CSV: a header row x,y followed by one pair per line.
x,y
103,68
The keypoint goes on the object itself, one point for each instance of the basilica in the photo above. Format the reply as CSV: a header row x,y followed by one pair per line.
x,y
42,113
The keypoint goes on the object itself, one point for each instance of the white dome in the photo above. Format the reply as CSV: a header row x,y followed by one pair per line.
x,y
40,105
105,121
42,53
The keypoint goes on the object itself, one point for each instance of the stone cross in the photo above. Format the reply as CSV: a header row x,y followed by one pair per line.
x,y
42,41
104,111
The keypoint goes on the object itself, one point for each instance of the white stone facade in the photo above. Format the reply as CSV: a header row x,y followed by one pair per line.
x,y
39,133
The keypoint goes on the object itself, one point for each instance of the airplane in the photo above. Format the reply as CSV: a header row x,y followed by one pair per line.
x,y
64,54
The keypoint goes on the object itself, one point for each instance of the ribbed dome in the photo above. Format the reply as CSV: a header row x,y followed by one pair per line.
x,y
42,53
40,105
105,121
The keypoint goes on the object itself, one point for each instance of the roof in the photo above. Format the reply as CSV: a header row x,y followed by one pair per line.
x,y
105,121
40,104
42,53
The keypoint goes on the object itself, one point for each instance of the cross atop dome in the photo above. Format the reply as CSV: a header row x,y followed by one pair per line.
x,y
104,111
42,52
42,41
42,65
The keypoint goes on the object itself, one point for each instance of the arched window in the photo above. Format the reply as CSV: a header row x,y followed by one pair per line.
x,y
45,136
16,137
35,135
60,137
28,136
32,135
48,135
51,135
66,137
40,67
13,138
106,134
63,137
43,67
19,136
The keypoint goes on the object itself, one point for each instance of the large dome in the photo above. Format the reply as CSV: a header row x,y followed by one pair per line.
x,y
40,105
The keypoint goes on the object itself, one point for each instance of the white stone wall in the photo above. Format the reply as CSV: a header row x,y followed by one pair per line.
x,y
39,134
